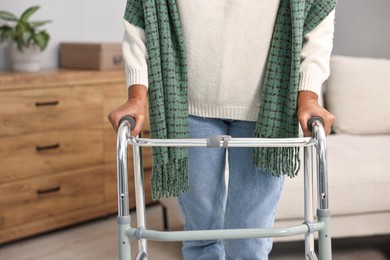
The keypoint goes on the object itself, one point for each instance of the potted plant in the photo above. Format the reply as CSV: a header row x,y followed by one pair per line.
x,y
27,41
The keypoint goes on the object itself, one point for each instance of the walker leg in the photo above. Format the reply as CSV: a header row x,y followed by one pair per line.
x,y
308,202
123,239
140,199
323,212
123,218
324,236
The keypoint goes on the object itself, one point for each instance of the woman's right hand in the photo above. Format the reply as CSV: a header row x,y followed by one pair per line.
x,y
135,106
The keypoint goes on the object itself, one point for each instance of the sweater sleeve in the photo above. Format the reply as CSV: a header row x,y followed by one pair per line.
x,y
315,55
135,55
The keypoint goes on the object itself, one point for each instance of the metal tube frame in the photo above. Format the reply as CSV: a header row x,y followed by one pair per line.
x,y
123,218
323,211
308,198
139,196
125,232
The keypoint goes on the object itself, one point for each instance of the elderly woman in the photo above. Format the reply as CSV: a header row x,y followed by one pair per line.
x,y
238,68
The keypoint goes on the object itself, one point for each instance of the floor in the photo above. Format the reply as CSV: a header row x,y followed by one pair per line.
x,y
97,240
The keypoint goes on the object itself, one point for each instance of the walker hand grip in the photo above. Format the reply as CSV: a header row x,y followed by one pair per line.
x,y
130,119
312,120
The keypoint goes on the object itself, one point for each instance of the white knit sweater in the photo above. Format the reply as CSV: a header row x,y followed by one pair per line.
x,y
227,44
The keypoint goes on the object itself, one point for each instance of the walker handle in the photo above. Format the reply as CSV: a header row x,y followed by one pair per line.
x,y
129,119
312,120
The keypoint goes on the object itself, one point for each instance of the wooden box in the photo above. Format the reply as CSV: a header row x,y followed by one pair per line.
x,y
95,56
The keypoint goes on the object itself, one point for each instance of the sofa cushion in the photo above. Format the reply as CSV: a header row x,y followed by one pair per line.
x,y
359,179
358,94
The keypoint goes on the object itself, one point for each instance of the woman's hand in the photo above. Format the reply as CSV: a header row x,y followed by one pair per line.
x,y
308,107
134,106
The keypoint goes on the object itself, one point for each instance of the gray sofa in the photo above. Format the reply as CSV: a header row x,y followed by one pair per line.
x,y
358,93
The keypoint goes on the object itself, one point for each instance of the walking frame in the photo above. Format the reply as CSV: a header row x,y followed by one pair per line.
x,y
315,144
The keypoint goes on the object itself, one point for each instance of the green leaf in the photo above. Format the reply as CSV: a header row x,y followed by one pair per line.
x,y
5,32
26,14
8,16
41,39
20,28
29,28
26,37
20,44
39,23
5,27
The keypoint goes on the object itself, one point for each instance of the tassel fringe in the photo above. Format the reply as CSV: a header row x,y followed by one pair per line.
x,y
171,179
278,161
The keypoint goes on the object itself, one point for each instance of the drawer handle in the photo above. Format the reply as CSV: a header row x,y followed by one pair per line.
x,y
146,132
117,60
49,190
147,169
48,103
47,147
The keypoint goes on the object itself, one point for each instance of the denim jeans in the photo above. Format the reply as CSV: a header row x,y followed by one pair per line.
x,y
249,201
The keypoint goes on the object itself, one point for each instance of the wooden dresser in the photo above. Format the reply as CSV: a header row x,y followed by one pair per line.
x,y
57,149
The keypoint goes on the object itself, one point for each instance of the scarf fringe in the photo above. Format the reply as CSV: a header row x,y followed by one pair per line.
x,y
171,179
278,160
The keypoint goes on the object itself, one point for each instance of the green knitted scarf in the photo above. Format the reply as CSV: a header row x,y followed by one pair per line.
x,y
168,103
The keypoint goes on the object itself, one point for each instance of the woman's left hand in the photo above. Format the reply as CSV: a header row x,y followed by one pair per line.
x,y
308,107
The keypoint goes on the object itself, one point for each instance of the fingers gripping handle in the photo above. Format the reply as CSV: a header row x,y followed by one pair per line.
x,y
312,120
129,119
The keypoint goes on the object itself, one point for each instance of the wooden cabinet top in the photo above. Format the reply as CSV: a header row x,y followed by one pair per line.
x,y
10,80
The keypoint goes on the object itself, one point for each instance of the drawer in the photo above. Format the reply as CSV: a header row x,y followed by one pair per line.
x,y
37,198
110,144
40,153
114,96
46,109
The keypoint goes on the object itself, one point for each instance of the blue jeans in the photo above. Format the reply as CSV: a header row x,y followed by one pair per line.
x,y
249,201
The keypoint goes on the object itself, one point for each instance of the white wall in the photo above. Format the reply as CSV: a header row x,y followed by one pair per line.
x,y
362,28
72,20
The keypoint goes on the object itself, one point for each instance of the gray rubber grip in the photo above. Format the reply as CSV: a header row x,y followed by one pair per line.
x,y
130,119
312,120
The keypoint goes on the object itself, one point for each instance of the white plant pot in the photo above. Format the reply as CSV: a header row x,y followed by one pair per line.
x,y
27,60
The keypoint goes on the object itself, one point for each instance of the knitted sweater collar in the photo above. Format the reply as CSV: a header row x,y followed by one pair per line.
x,y
168,105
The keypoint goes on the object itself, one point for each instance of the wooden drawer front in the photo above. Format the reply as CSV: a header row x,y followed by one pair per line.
x,y
110,144
114,96
39,153
45,109
38,198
